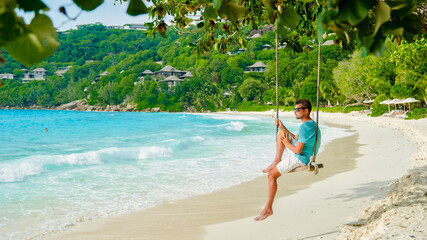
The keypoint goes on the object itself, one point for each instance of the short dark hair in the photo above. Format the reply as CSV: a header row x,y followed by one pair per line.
x,y
305,103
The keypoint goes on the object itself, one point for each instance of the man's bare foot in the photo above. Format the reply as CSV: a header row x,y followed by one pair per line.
x,y
268,169
263,215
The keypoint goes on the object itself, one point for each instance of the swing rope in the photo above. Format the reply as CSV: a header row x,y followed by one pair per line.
x,y
313,157
277,86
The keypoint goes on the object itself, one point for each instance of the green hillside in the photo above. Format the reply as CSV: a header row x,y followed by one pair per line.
x,y
219,80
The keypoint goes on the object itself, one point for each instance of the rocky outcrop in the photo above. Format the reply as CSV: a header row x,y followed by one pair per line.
x,y
72,105
82,105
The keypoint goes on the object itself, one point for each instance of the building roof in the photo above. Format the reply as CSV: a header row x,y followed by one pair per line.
x,y
148,71
256,35
169,68
328,42
61,71
171,78
257,64
6,74
105,73
266,45
39,70
188,74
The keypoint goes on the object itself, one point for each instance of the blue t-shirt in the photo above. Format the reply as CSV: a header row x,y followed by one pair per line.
x,y
307,135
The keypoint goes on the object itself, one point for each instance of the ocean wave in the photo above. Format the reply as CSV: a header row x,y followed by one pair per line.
x,y
35,165
233,117
18,172
235,126
88,158
154,152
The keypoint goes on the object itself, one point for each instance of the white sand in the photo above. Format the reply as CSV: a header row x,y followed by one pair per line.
x,y
389,148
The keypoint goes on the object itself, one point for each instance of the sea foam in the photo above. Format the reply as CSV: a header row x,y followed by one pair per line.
x,y
233,117
235,126
154,152
18,172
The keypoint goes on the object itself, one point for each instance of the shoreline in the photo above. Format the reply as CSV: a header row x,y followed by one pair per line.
x,y
213,208
208,221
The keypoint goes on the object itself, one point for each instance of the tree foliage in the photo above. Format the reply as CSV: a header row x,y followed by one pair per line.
x,y
398,72
221,22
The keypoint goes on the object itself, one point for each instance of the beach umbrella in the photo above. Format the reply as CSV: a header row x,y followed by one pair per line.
x,y
395,102
368,101
388,102
409,101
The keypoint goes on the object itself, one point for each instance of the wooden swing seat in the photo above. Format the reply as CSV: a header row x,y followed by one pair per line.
x,y
304,168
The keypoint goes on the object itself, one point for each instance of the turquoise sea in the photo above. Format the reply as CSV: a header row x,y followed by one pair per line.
x,y
61,168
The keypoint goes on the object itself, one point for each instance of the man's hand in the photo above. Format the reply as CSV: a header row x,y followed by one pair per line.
x,y
285,139
278,123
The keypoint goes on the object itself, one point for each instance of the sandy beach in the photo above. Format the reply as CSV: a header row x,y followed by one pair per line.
x,y
373,186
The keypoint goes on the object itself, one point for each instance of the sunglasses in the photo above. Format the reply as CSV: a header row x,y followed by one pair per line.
x,y
297,109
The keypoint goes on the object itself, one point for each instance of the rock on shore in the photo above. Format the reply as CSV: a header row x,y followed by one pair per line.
x,y
82,105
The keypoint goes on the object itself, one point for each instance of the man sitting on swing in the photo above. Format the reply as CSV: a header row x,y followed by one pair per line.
x,y
297,151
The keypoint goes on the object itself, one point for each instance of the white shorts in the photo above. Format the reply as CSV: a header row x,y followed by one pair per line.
x,y
289,161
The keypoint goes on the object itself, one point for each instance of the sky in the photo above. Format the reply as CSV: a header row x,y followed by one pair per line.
x,y
107,14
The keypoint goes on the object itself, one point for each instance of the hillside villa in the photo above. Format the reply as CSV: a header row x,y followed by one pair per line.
x,y
167,74
98,77
6,76
256,67
61,70
36,74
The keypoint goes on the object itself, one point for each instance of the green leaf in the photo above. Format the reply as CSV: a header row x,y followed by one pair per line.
x,y
88,5
287,21
354,11
392,28
291,18
136,7
401,8
305,1
378,46
232,11
382,15
32,5
209,14
320,30
217,4
9,27
37,44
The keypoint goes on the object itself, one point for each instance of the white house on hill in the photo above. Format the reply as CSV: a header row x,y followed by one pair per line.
x,y
167,74
61,70
36,74
168,70
257,67
6,76
105,73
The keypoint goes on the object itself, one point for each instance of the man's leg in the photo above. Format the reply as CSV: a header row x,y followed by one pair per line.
x,y
273,175
280,147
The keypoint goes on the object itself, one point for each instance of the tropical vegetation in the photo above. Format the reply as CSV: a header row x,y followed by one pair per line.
x,y
197,38
346,78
